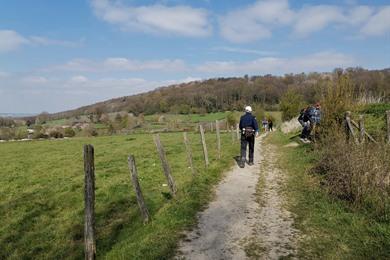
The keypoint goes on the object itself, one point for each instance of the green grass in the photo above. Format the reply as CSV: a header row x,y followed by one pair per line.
x,y
330,228
41,191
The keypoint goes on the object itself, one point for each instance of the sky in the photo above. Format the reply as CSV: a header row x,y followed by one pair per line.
x,y
60,55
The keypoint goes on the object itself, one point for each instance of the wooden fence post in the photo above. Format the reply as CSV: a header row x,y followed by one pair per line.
x,y
165,165
211,127
206,156
361,129
189,152
218,139
348,127
388,126
89,201
137,188
238,132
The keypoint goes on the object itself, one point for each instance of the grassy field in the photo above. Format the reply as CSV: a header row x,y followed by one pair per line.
x,y
41,191
330,228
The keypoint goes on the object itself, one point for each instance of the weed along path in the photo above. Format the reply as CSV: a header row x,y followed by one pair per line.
x,y
247,219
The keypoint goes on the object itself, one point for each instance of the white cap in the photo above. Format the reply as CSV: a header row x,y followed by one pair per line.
x,y
248,109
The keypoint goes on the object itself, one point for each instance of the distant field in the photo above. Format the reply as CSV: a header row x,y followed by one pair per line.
x,y
41,191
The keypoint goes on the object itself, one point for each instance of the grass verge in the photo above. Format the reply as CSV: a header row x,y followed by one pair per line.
x,y
330,228
41,196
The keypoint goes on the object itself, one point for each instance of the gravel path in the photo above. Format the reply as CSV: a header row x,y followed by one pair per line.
x,y
240,224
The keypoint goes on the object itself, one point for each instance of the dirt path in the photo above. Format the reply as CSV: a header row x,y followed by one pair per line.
x,y
240,224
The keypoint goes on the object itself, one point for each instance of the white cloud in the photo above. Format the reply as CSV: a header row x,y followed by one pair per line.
x,y
35,80
11,40
79,79
119,64
156,19
359,14
44,41
322,61
378,24
243,51
315,18
257,21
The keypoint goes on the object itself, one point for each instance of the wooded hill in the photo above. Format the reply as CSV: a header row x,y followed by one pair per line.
x,y
223,94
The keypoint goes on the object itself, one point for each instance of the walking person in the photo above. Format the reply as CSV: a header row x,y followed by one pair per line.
x,y
265,124
249,130
270,125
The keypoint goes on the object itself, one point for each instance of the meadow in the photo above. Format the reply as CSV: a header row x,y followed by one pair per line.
x,y
42,203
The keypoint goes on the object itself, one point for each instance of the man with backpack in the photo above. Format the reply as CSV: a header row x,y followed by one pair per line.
x,y
249,130
304,120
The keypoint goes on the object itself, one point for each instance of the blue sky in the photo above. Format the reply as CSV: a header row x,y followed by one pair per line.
x,y
58,55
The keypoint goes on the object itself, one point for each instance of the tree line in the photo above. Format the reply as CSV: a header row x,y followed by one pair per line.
x,y
222,94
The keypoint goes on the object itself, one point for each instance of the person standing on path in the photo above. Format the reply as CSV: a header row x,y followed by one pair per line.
x,y
249,130
270,125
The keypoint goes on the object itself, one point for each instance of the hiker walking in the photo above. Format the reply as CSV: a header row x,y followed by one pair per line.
x,y
249,130
265,124
270,125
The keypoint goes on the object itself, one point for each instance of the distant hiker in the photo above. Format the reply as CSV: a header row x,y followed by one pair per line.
x,y
315,119
270,125
249,130
304,120
265,124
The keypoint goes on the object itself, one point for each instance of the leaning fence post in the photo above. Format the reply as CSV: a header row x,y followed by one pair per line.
x,y
189,152
361,128
206,157
388,125
218,139
89,200
349,128
137,188
165,165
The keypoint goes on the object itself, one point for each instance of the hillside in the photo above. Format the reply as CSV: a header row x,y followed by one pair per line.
x,y
223,94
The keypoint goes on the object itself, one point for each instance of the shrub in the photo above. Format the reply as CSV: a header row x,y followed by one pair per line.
x,y
7,133
39,132
21,133
90,131
231,119
69,132
357,173
291,103
259,113
56,134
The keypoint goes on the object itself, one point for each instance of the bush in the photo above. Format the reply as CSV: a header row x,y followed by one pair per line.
x,y
39,132
291,103
90,131
69,132
259,113
231,119
357,173
21,133
56,134
7,133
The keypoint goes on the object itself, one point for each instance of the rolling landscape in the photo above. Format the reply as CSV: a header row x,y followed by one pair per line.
x,y
120,131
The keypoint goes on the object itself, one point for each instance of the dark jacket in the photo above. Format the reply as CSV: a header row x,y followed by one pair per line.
x,y
249,120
